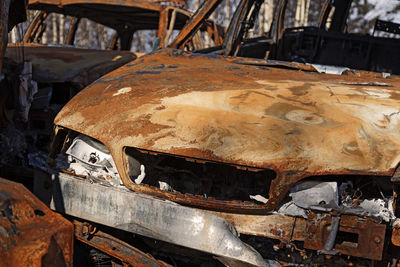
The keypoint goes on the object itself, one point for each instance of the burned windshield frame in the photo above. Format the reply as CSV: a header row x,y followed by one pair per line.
x,y
242,21
195,23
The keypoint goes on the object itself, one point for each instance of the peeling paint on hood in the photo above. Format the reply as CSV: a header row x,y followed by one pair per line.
x,y
293,122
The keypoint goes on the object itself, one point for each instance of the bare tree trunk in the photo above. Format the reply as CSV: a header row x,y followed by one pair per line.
x,y
302,8
208,42
306,11
44,38
83,36
90,33
143,37
54,27
138,42
99,34
268,14
14,36
265,17
227,12
105,37
261,17
298,13
62,29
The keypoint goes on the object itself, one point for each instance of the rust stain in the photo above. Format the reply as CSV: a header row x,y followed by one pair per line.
x,y
114,247
273,226
396,235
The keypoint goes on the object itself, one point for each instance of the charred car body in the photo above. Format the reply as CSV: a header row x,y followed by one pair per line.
x,y
43,77
61,70
299,161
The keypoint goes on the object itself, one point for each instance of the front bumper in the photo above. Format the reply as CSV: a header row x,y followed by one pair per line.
x,y
208,231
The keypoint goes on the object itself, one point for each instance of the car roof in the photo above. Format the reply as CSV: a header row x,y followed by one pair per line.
x,y
117,14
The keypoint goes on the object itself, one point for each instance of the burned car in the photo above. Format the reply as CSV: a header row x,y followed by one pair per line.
x,y
63,69
51,61
51,74
252,160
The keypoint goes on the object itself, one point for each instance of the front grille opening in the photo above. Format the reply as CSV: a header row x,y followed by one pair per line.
x,y
208,179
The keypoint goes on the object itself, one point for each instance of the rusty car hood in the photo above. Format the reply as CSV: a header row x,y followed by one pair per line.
x,y
68,64
204,107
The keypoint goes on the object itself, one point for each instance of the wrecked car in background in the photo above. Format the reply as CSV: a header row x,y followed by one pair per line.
x,y
30,233
64,63
229,153
61,70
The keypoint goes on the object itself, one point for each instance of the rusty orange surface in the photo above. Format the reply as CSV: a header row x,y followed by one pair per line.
x,y
68,64
294,122
30,233
396,236
114,247
275,226
369,235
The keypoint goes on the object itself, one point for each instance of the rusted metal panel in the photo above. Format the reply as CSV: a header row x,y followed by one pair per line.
x,y
114,247
396,234
296,123
275,226
64,64
366,239
34,27
30,233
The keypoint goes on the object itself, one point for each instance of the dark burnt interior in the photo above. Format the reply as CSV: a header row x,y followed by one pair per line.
x,y
326,40
353,189
208,179
364,52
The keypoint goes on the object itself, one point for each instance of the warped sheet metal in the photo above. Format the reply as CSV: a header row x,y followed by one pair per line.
x,y
30,233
